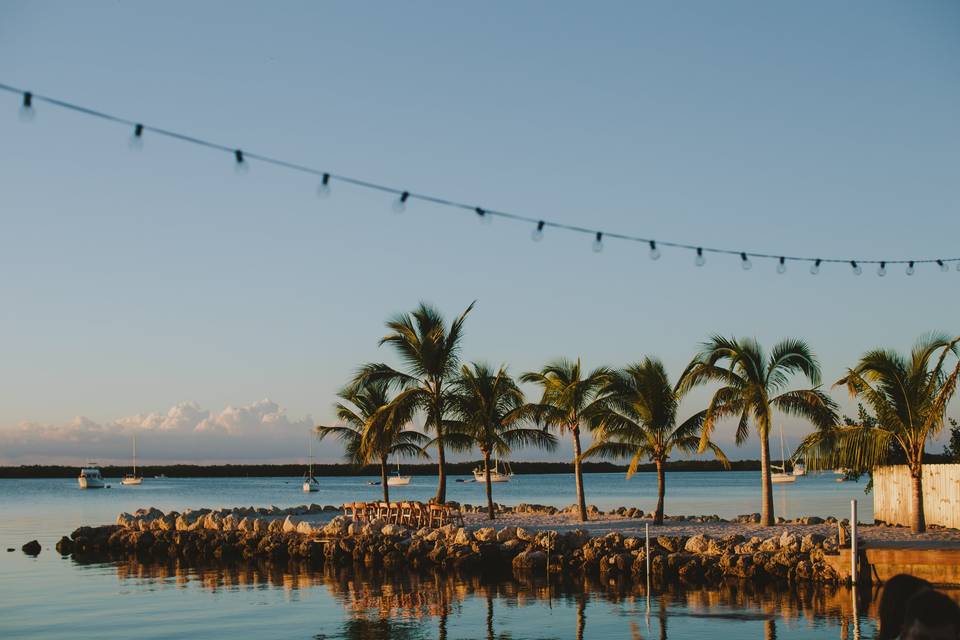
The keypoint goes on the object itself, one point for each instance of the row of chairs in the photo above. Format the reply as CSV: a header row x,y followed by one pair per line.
x,y
411,514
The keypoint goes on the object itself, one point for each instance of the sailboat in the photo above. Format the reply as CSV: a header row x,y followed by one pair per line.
x,y
310,484
781,476
495,474
396,479
133,478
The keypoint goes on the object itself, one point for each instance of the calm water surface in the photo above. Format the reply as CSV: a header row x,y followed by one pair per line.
x,y
54,597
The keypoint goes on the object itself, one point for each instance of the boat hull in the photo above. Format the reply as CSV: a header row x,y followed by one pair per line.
x,y
131,481
90,483
398,481
494,477
783,478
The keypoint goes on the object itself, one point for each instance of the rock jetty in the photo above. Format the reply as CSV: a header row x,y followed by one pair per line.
x,y
310,534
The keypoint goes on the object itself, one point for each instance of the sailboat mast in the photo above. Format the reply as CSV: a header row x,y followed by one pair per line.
x,y
134,455
783,455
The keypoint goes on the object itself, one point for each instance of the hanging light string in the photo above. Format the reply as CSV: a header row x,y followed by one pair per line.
x,y
403,196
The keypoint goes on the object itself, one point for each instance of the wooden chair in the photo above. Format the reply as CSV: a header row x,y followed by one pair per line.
x,y
437,515
349,510
360,513
393,513
406,514
454,514
383,510
419,517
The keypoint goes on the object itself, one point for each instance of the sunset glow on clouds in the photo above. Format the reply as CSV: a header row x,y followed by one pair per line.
x,y
258,432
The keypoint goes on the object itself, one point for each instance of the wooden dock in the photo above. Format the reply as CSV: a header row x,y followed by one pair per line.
x,y
936,561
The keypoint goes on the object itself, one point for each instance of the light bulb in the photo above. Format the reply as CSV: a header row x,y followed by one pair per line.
x,y
598,242
654,252
910,268
27,113
856,268
815,267
400,204
782,266
882,269
943,266
323,190
483,216
240,166
700,259
537,234
136,138
745,262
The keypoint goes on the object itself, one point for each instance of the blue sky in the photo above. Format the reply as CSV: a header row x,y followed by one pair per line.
x,y
140,281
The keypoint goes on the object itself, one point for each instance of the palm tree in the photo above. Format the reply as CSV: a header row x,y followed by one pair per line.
x,y
907,398
491,410
373,428
431,353
569,400
754,385
639,420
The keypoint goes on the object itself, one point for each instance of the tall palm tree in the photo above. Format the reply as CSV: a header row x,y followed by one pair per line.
x,y
754,385
431,354
373,428
491,410
907,398
639,420
569,400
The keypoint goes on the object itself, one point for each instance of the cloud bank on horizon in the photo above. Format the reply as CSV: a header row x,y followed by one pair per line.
x,y
258,432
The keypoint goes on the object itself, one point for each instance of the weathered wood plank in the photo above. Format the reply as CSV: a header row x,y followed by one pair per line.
x,y
941,494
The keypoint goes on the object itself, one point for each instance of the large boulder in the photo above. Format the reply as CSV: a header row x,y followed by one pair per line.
x,y
485,534
507,533
32,548
290,524
698,544
533,561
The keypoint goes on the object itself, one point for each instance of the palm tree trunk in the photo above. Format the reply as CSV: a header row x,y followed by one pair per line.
x,y
383,479
661,481
441,458
766,491
486,469
578,472
918,523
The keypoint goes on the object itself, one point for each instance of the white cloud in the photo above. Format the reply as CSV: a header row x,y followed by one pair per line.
x,y
258,432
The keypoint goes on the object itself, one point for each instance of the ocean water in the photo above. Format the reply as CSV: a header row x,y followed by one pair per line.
x,y
53,597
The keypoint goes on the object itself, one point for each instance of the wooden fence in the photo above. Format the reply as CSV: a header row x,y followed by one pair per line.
x,y
941,494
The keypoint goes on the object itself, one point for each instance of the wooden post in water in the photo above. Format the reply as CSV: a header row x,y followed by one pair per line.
x,y
647,528
853,542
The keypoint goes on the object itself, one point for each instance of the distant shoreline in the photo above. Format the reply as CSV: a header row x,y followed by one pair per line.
x,y
296,470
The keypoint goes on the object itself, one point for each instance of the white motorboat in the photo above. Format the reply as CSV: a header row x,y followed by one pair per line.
x,y
495,474
397,480
799,469
310,484
90,477
132,478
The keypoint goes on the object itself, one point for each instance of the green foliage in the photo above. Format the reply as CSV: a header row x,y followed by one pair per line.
x,y
952,449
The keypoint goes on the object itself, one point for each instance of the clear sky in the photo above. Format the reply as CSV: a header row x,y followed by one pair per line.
x,y
158,291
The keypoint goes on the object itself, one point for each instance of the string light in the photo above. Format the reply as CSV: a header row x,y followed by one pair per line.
x,y
882,269
27,112
323,190
598,242
537,234
136,140
654,252
400,204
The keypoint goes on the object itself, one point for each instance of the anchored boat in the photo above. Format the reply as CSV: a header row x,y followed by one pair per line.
x,y
90,477
495,474
133,478
396,479
310,484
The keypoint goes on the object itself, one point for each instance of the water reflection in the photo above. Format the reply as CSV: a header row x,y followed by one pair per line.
x,y
413,605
